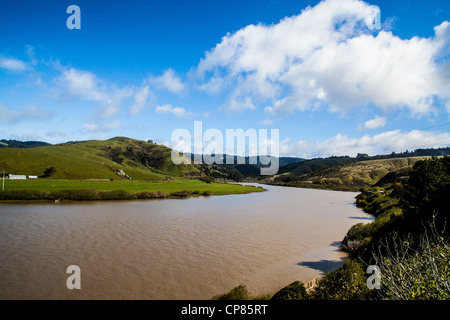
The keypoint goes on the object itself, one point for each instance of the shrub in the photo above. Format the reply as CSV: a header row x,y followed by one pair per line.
x,y
345,283
411,272
294,291
183,193
238,293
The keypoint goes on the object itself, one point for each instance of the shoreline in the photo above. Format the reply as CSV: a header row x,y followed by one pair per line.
x,y
11,196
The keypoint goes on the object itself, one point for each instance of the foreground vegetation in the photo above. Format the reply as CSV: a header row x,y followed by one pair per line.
x,y
408,241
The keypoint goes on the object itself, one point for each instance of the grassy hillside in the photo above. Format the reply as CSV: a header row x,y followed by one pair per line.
x,y
88,170
95,160
308,166
350,176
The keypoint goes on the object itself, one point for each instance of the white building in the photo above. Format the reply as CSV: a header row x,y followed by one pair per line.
x,y
17,177
32,177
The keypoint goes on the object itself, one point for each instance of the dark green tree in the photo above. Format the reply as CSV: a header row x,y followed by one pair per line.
x,y
294,291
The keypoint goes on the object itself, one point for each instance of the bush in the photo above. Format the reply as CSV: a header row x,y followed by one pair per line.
x,y
49,172
239,293
415,273
206,179
294,291
183,193
345,283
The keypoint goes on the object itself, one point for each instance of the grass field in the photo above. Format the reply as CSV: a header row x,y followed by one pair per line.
x,y
131,186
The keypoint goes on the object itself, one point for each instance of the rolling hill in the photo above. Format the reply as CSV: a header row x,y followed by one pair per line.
x,y
347,177
95,159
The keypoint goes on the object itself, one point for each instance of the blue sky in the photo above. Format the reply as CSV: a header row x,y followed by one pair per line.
x,y
316,70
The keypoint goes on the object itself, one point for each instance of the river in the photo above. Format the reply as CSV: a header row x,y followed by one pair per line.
x,y
174,248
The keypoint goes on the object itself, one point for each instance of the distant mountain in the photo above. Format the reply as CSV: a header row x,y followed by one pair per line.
x,y
21,144
247,166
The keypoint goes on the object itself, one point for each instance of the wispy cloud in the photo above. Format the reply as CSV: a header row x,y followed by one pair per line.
x,y
86,85
13,64
12,116
141,100
100,127
177,111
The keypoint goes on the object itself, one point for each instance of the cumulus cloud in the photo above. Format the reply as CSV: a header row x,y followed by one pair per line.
x,y
383,143
13,64
329,56
168,81
176,111
377,122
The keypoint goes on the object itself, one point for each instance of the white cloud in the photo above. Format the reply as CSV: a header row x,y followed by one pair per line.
x,y
87,86
237,106
56,134
13,64
12,116
327,56
267,122
96,127
377,122
177,111
141,100
27,136
168,81
383,143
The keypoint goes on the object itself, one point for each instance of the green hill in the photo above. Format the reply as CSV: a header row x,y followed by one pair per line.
x,y
95,159
349,177
309,166
115,169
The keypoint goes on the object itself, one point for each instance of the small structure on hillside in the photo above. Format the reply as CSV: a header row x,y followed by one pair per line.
x,y
120,172
17,177
32,177
374,192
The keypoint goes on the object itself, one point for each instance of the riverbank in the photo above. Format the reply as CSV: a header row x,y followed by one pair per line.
x,y
81,190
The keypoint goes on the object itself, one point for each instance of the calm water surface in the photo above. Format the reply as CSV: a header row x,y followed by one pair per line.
x,y
173,249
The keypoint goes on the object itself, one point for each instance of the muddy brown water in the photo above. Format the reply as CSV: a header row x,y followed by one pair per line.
x,y
175,248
